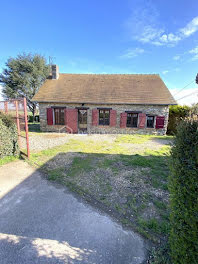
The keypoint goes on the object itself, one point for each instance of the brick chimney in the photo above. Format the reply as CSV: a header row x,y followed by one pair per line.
x,y
55,72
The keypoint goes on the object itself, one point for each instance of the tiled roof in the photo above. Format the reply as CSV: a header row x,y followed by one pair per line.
x,y
106,89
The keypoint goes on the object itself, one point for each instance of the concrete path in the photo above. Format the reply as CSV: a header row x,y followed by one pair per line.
x,y
41,222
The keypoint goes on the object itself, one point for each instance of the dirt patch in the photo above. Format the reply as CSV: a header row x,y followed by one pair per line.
x,y
61,161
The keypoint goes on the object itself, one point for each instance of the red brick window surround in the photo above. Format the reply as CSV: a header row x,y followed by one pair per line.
x,y
104,117
132,120
59,116
150,121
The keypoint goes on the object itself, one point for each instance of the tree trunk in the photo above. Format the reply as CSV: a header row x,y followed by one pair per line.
x,y
33,112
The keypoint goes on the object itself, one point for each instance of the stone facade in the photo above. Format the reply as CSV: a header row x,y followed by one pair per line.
x,y
156,110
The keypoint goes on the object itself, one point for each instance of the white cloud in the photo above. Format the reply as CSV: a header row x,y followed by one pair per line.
x,y
165,72
195,53
190,28
144,26
185,97
173,37
195,58
172,70
142,22
169,38
131,53
177,57
150,34
195,50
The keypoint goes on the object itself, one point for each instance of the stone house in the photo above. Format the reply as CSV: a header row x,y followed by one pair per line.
x,y
104,103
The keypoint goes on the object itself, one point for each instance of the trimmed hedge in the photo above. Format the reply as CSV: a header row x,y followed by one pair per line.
x,y
36,118
8,137
183,186
176,114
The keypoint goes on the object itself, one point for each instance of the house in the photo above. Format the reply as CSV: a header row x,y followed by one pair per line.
x,y
104,103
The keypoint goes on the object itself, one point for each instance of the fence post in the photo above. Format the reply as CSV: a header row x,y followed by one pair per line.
x,y
18,124
26,126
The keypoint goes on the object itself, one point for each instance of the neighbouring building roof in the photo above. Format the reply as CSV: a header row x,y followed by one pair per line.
x,y
106,89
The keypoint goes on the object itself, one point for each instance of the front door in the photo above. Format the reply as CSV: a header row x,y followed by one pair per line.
x,y
82,120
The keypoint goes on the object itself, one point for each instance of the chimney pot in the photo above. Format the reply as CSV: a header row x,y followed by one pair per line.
x,y
55,72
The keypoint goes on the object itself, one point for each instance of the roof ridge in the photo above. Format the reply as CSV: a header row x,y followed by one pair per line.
x,y
110,74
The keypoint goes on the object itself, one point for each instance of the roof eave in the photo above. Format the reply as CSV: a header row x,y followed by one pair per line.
x,y
95,103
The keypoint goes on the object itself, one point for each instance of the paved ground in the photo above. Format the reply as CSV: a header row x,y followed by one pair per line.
x,y
44,223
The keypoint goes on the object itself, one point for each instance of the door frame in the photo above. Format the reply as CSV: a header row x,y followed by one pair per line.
x,y
80,129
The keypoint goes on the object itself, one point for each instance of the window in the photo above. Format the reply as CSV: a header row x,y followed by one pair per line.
x,y
132,120
150,121
59,116
104,117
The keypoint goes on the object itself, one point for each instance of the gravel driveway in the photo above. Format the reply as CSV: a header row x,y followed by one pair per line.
x,y
41,141
45,223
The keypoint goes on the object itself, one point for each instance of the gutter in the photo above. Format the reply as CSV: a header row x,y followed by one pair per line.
x,y
96,103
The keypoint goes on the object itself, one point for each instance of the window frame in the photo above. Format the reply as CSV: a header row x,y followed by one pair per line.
x,y
103,123
131,123
60,118
153,116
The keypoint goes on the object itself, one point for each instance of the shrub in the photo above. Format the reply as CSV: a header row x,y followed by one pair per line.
x,y
176,114
30,118
160,255
37,118
8,137
183,186
194,111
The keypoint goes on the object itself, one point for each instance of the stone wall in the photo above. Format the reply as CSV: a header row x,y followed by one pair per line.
x,y
157,110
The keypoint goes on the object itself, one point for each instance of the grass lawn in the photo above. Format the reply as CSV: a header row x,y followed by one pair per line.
x,y
34,127
125,175
8,159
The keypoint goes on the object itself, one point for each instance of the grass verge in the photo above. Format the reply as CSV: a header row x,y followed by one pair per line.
x,y
8,159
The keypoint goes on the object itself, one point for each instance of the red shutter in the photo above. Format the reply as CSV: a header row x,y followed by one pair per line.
x,y
71,120
94,117
65,116
142,120
159,122
49,116
113,116
123,120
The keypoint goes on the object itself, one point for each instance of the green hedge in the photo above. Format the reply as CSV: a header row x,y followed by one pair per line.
x,y
176,114
36,118
183,186
8,137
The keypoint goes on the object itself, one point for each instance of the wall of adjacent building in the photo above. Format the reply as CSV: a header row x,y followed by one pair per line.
x,y
157,110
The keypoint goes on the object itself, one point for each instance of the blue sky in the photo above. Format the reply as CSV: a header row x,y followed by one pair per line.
x,y
128,36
